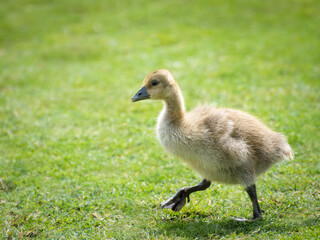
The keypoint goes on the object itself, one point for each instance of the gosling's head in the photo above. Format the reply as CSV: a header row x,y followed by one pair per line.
x,y
159,85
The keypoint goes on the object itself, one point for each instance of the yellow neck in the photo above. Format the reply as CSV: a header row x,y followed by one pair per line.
x,y
174,107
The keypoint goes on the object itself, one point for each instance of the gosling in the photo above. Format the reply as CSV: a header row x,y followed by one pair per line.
x,y
222,145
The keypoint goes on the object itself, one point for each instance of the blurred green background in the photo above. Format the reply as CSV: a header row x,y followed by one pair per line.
x,y
79,160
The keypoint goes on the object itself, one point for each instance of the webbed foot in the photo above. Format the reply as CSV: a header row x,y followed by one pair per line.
x,y
177,202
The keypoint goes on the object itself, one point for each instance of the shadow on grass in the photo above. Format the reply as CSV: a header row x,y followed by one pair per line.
x,y
203,225
195,228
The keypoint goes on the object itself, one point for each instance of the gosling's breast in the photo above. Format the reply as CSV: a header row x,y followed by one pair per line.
x,y
187,145
170,138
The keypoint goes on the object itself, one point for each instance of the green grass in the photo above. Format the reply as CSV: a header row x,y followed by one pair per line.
x,y
79,160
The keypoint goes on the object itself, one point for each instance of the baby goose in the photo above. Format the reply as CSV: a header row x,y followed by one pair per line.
x,y
222,145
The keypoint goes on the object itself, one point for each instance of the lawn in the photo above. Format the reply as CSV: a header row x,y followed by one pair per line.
x,y
79,160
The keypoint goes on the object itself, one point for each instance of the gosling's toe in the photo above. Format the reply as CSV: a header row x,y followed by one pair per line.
x,y
256,217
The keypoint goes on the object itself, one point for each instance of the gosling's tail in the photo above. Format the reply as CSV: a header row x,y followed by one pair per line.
x,y
287,152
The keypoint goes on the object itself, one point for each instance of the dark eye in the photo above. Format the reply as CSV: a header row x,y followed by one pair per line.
x,y
154,82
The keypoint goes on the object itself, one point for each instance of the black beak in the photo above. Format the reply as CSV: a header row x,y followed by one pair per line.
x,y
140,95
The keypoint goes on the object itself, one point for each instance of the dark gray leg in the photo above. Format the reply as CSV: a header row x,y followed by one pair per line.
x,y
179,199
251,190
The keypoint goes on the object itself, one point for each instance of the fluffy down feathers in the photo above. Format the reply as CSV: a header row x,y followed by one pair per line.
x,y
223,145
